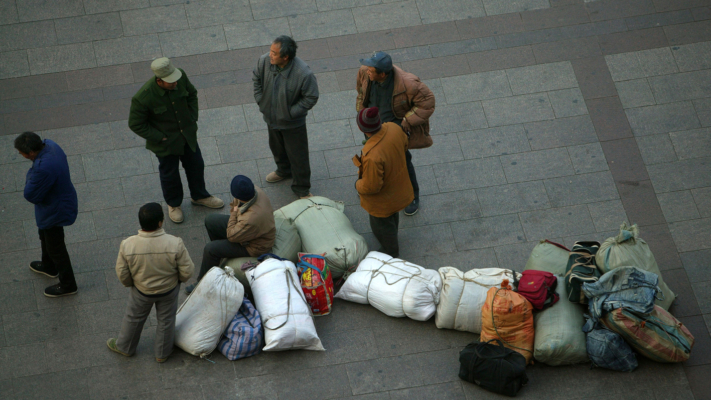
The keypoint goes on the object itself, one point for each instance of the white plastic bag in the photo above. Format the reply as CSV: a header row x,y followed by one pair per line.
x,y
286,317
463,295
208,310
394,286
324,228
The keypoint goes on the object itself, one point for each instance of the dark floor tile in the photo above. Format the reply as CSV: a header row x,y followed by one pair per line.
x,y
701,13
444,391
324,382
609,118
594,77
659,19
640,202
488,232
624,160
105,111
489,26
187,392
566,50
701,353
384,374
669,5
442,365
662,245
360,43
438,67
501,59
17,297
73,384
31,86
686,303
128,378
624,42
312,49
692,32
229,95
40,326
611,9
699,381
426,34
400,336
554,17
696,264
50,118
229,60
99,77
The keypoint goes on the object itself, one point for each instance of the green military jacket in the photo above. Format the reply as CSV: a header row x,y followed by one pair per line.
x,y
171,114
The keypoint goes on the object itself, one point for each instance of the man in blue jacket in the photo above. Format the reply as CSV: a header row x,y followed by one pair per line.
x,y
49,187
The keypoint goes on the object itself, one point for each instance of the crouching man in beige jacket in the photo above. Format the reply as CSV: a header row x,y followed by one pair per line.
x,y
152,264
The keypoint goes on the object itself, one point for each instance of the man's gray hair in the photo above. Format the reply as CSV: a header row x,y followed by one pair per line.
x,y
288,46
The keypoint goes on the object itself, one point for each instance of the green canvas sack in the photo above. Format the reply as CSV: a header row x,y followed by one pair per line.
x,y
581,269
627,249
550,257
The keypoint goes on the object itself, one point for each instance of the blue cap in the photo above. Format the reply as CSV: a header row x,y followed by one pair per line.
x,y
242,188
379,60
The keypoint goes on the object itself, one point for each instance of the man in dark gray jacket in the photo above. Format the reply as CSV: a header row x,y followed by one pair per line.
x,y
285,90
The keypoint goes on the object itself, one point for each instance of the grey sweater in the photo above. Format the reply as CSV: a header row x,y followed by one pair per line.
x,y
284,96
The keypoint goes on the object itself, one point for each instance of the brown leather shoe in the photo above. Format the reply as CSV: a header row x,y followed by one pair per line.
x,y
209,202
272,177
175,214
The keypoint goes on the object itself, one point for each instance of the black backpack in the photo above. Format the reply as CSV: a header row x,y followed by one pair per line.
x,y
495,368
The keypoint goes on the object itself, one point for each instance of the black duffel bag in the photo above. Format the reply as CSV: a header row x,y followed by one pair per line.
x,y
495,368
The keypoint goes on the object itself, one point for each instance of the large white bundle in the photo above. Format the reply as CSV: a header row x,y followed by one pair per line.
x,y
394,286
208,310
286,317
324,228
463,295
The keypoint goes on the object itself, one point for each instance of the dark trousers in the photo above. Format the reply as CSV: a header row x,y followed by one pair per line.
x,y
411,172
55,257
169,170
385,230
290,148
137,310
219,247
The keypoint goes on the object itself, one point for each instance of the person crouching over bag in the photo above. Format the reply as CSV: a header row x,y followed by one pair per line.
x,y
249,230
383,181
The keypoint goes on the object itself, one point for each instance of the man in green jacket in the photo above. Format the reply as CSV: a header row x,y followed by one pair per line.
x,y
165,113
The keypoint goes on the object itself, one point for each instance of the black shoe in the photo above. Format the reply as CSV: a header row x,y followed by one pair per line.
x,y
58,290
413,207
36,266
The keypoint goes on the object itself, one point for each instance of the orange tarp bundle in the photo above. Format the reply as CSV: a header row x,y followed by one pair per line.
x,y
511,320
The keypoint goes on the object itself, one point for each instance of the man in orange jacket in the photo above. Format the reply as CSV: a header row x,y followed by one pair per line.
x,y
383,181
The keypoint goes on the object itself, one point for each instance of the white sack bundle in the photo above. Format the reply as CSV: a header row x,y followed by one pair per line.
x,y
286,317
208,310
394,286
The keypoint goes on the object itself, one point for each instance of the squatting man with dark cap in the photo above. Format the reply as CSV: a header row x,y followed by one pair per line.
x,y
152,264
249,230
285,90
401,98
165,113
49,187
383,183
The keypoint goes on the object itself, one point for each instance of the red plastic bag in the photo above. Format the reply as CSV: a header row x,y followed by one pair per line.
x,y
316,282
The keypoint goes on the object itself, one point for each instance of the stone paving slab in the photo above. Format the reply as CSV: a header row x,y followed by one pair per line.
x,y
556,119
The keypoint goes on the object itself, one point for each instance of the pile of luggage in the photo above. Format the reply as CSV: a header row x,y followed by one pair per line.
x,y
595,302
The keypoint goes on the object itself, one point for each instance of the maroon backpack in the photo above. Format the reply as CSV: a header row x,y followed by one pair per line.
x,y
538,287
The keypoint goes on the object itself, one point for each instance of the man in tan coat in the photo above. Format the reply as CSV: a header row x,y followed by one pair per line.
x,y
401,98
249,230
383,182
152,264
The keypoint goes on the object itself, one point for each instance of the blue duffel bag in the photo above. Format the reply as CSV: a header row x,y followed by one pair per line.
x,y
244,336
